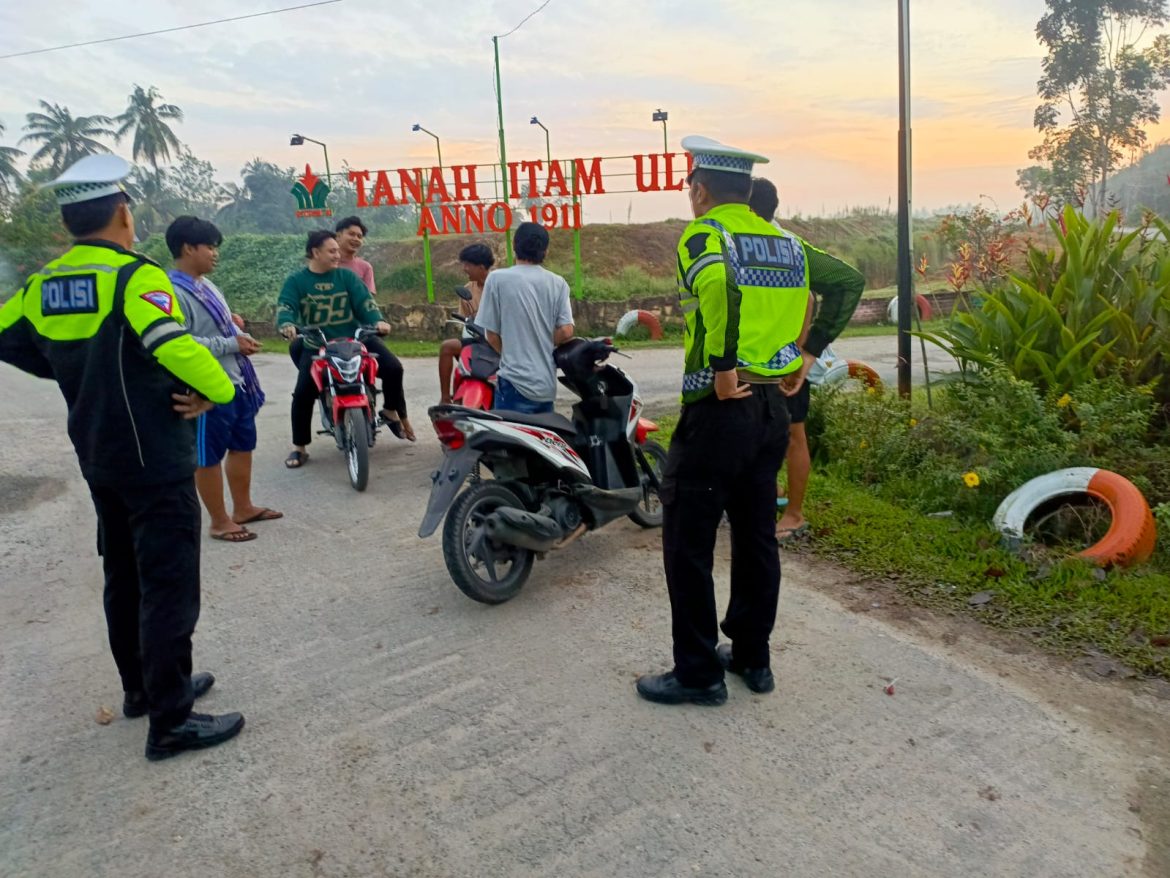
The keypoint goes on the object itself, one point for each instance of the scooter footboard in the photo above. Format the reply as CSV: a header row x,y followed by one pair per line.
x,y
445,484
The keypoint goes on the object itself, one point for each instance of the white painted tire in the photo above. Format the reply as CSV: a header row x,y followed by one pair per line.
x,y
925,310
1132,533
632,318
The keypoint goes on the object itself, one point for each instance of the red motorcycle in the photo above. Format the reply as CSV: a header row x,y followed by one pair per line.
x,y
474,380
345,372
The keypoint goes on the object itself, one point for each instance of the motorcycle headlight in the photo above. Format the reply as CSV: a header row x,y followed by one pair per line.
x,y
348,368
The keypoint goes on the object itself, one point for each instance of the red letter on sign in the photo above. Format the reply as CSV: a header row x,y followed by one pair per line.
x,y
513,171
473,216
500,217
556,178
586,180
411,184
383,192
643,186
465,189
451,220
360,178
426,222
531,168
436,184
670,184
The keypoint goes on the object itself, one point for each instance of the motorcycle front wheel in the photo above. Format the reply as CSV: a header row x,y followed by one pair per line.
x,y
485,571
649,511
357,448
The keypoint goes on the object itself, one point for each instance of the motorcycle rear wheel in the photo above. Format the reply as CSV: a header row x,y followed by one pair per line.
x,y
473,560
649,511
357,448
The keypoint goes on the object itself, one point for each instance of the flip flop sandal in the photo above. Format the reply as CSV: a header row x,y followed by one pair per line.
x,y
790,534
296,460
264,514
236,536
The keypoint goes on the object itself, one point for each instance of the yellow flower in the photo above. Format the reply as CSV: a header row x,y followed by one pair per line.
x,y
871,390
863,444
971,479
914,422
1063,401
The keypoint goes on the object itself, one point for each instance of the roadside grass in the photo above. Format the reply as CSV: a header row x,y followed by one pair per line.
x,y
1066,606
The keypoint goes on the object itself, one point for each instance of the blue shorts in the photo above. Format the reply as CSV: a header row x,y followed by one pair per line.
x,y
511,399
228,427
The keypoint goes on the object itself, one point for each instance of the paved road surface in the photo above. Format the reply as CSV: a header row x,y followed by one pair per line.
x,y
397,728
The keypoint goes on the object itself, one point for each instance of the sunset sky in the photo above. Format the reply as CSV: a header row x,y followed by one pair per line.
x,y
813,85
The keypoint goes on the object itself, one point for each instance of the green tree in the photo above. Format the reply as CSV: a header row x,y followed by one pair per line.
x,y
9,174
147,118
63,137
193,184
1098,89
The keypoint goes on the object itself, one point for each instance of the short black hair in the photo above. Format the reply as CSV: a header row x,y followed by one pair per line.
x,y
316,239
89,217
344,224
478,254
764,199
725,186
531,242
191,230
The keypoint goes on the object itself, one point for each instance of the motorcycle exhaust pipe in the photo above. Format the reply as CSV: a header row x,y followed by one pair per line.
x,y
528,530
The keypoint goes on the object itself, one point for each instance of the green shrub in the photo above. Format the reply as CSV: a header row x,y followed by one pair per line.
x,y
1100,307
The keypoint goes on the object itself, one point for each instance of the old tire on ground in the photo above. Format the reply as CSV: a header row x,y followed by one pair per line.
x,y
1132,532
649,511
468,551
925,309
842,370
632,318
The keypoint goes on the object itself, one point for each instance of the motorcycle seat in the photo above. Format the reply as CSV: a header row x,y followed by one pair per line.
x,y
549,421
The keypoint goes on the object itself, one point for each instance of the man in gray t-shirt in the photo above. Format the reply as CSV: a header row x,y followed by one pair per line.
x,y
525,311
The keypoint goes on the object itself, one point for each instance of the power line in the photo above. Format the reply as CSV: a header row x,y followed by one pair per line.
x,y
169,30
528,16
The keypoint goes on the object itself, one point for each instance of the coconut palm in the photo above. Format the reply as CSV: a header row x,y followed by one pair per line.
x,y
63,137
9,175
153,138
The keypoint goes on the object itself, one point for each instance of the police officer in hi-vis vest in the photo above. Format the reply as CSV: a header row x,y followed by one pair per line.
x,y
105,324
743,288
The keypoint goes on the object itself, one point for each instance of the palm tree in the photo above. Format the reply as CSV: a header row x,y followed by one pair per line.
x,y
153,138
9,175
63,137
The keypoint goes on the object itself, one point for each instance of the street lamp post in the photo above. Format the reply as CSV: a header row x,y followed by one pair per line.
x,y
299,140
426,232
547,146
660,116
438,147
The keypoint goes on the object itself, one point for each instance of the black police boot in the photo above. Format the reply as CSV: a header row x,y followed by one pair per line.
x,y
198,731
134,703
757,679
666,689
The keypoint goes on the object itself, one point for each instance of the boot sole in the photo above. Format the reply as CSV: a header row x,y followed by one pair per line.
x,y
154,753
700,700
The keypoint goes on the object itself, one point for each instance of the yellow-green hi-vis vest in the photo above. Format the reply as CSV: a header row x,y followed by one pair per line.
x,y
743,289
106,325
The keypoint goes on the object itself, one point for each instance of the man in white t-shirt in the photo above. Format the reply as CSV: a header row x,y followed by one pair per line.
x,y
526,313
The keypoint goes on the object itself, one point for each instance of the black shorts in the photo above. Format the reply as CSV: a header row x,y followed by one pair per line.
x,y
798,404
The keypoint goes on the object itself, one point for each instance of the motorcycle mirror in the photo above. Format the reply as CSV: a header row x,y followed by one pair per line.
x,y
463,293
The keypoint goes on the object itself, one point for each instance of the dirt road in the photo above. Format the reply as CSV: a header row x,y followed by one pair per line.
x,y
397,728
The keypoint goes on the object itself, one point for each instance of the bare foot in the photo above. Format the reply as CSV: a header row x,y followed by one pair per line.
x,y
407,430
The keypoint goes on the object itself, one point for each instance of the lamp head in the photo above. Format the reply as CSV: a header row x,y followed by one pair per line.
x,y
415,127
296,140
659,116
533,121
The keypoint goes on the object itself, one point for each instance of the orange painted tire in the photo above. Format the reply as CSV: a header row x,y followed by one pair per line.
x,y
1132,533
864,373
925,309
645,318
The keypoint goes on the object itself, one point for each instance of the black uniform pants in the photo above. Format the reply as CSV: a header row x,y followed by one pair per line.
x,y
724,457
148,537
305,392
